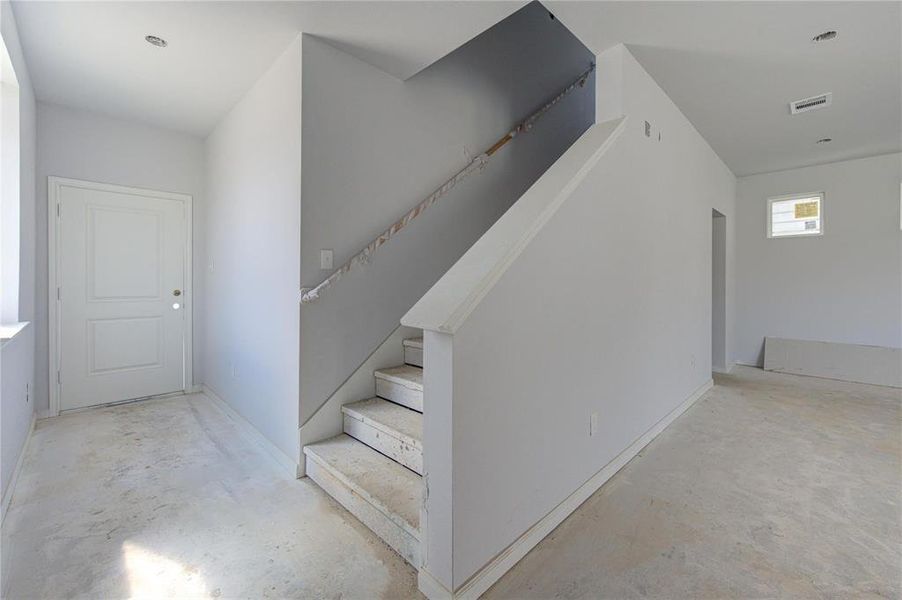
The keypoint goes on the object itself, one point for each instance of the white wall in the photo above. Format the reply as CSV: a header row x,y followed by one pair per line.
x,y
609,310
16,402
374,146
84,145
18,355
844,286
253,186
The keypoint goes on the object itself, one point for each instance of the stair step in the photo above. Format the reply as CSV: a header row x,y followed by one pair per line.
x,y
390,428
382,494
403,384
413,351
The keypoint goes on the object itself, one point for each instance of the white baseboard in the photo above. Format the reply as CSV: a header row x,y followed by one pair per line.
x,y
432,588
252,433
11,488
479,583
747,364
724,370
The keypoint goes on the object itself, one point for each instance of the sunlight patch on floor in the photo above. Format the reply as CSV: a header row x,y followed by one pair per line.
x,y
151,575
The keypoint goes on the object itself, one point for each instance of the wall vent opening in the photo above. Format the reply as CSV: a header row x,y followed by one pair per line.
x,y
813,103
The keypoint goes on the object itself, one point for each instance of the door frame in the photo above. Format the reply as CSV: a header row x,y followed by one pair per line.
x,y
54,184
719,290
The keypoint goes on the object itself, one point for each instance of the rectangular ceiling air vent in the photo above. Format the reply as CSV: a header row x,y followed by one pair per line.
x,y
813,103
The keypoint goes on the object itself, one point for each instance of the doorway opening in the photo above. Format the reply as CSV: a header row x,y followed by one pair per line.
x,y
718,292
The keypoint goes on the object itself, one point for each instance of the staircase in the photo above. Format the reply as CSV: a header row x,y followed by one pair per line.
x,y
374,469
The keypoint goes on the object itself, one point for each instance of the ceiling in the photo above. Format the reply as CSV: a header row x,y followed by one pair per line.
x,y
733,67
92,55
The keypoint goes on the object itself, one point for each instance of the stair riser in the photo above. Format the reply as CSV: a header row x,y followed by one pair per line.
x,y
390,532
413,356
396,449
395,392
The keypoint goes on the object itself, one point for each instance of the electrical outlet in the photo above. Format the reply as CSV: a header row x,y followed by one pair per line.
x,y
27,395
325,259
210,267
593,424
234,370
647,129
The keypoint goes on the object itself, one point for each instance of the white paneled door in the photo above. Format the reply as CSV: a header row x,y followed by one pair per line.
x,y
122,258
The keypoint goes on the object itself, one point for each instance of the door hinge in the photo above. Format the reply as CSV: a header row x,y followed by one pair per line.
x,y
58,293
59,380
57,209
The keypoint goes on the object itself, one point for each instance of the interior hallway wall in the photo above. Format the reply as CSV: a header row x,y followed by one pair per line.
x,y
374,146
843,286
253,248
84,145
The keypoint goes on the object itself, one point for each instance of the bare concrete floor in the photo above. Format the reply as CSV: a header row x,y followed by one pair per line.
x,y
166,499
771,486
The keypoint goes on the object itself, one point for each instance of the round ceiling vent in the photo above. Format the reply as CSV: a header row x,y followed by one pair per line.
x,y
156,41
824,37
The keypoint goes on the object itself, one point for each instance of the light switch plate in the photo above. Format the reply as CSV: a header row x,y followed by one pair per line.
x,y
325,259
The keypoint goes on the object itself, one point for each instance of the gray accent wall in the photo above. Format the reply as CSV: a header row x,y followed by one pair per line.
x,y
374,146
843,286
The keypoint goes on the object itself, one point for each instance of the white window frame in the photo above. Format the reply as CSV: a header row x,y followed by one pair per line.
x,y
10,202
769,215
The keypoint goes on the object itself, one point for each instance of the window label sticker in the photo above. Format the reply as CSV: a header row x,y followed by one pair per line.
x,y
806,210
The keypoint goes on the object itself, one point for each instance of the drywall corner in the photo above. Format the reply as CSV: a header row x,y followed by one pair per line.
x,y
609,84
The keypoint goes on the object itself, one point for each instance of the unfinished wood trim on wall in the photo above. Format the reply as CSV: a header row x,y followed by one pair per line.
x,y
54,184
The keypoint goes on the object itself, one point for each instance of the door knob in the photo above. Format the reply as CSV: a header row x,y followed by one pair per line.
x,y
176,292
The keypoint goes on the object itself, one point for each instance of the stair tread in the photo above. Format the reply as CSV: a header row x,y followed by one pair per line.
x,y
406,375
394,490
389,417
414,342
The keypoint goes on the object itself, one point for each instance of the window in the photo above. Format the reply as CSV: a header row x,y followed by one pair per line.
x,y
795,215
9,189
